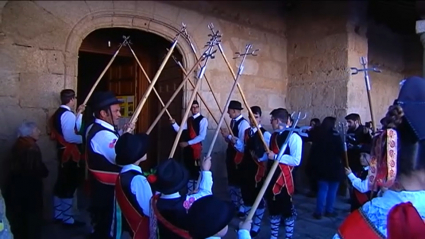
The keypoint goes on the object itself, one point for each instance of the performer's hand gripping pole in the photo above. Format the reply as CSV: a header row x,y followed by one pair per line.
x,y
241,67
124,43
145,96
363,62
147,77
274,167
209,53
251,115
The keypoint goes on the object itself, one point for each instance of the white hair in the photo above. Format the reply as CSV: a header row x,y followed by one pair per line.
x,y
26,129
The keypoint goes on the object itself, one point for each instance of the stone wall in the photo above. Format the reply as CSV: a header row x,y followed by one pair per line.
x,y
398,57
317,59
39,44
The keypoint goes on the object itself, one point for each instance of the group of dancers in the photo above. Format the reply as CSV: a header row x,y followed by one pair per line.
x,y
123,198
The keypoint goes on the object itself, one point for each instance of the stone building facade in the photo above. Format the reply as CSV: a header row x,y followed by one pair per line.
x,y
303,64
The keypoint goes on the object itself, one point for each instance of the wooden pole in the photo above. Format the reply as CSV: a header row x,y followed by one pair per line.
x,y
134,117
259,132
248,47
208,54
147,78
212,92
125,42
269,176
176,92
200,95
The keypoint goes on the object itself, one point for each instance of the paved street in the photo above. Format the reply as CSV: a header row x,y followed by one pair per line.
x,y
306,227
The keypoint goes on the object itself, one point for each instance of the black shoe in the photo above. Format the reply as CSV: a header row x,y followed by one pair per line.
x,y
75,224
254,233
57,221
317,216
331,214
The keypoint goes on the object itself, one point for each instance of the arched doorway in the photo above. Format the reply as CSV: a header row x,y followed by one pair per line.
x,y
127,81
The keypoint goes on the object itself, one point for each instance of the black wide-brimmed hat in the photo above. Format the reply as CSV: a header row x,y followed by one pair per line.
x,y
208,215
102,99
130,148
171,177
235,105
412,99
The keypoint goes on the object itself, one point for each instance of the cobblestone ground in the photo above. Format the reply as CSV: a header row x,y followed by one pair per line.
x,y
306,227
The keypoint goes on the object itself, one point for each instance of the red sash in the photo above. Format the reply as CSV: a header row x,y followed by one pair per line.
x,y
261,168
104,177
182,233
196,148
70,151
138,222
362,198
356,225
285,176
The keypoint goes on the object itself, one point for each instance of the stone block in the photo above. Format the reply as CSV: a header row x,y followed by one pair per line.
x,y
166,13
128,6
271,69
122,21
276,101
40,90
55,62
68,11
9,83
35,26
141,23
98,6
9,101
12,116
210,101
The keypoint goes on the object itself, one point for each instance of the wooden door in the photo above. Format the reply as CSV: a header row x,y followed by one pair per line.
x,y
169,80
125,78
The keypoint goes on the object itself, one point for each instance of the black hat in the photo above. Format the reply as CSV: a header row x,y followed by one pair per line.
x,y
208,215
195,102
171,176
235,105
104,99
365,148
412,99
130,148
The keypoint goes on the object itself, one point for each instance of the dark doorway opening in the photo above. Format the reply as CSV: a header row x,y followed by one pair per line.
x,y
126,80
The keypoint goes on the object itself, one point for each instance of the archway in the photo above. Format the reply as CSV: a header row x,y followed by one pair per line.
x,y
127,81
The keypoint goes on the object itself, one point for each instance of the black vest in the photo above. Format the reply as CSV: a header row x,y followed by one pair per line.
x,y
252,144
57,124
174,212
195,123
280,140
101,195
231,151
126,187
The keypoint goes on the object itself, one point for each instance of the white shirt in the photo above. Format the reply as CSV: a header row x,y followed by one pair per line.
x,y
295,145
205,188
362,186
103,142
140,188
68,123
243,125
240,145
203,126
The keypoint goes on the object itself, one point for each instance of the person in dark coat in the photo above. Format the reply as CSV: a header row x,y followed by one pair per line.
x,y
326,160
23,192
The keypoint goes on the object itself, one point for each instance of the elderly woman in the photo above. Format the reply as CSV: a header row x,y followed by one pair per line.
x,y
24,186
